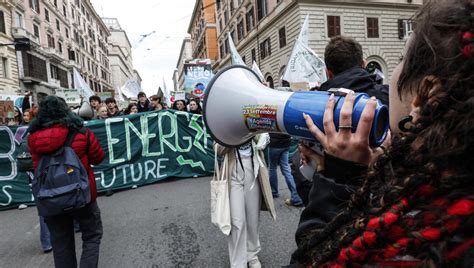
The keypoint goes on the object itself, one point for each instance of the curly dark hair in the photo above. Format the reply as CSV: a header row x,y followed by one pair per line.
x,y
52,111
417,199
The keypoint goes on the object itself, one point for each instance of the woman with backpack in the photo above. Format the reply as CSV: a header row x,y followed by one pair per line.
x,y
54,129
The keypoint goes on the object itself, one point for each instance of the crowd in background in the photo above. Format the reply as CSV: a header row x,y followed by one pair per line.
x,y
109,108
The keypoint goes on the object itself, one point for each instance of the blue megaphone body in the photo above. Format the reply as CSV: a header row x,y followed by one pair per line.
x,y
237,107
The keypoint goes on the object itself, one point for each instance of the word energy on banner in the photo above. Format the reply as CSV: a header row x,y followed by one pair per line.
x,y
140,149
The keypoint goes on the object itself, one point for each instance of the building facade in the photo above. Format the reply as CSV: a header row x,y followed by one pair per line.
x,y
265,30
202,29
120,54
185,56
64,35
8,65
201,43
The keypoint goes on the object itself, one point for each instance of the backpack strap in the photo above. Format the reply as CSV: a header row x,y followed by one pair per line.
x,y
70,136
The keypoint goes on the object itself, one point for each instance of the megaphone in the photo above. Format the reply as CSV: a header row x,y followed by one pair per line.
x,y
237,107
84,111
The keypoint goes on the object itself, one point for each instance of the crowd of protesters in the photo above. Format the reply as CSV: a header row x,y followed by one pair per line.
x,y
408,203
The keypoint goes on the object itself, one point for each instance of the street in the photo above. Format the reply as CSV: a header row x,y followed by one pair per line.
x,y
159,225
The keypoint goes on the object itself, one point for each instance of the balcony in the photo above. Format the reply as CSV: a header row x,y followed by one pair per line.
x,y
53,54
18,32
73,64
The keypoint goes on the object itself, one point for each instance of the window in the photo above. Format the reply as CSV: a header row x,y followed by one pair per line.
x,y
221,50
220,25
60,47
254,55
282,37
36,31
226,45
218,3
265,49
372,27
50,41
243,59
65,11
54,72
18,20
58,25
34,4
232,34
226,17
334,26
46,15
2,23
4,67
261,9
405,28
240,30
55,3
250,20
67,32
231,6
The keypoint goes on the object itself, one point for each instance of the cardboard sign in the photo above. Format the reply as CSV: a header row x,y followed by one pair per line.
x,y
6,111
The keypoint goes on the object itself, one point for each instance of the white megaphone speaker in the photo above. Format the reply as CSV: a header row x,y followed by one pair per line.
x,y
237,107
84,111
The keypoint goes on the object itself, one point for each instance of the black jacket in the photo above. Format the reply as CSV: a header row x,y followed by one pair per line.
x,y
359,80
330,192
144,108
279,140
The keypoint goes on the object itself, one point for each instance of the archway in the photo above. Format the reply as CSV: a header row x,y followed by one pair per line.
x,y
270,82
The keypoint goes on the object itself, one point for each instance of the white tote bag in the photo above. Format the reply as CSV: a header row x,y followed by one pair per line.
x,y
220,206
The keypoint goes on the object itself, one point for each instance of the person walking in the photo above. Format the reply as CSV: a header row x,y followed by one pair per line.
x,y
49,131
278,155
248,183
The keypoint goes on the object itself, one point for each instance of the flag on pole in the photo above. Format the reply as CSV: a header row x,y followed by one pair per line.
x,y
303,36
236,59
304,65
81,85
130,89
257,71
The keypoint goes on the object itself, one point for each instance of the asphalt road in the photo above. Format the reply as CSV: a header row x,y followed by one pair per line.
x,y
160,225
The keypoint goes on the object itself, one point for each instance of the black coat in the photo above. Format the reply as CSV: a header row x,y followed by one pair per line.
x,y
359,80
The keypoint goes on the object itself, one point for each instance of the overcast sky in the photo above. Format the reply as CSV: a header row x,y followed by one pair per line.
x,y
156,56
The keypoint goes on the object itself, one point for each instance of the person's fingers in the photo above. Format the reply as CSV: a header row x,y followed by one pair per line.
x,y
366,120
345,116
328,119
317,133
388,139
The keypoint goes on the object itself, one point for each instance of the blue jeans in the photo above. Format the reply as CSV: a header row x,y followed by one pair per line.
x,y
279,156
45,236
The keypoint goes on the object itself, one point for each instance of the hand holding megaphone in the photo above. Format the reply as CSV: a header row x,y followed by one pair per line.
x,y
345,144
237,107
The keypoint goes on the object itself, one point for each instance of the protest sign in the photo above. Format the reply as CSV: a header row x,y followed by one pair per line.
x,y
196,78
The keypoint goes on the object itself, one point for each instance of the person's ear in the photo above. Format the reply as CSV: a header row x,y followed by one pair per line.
x,y
330,73
429,91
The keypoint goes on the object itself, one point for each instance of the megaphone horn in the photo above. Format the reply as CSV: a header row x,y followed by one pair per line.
x,y
237,107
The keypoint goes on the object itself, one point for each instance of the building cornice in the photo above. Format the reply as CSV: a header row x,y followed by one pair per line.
x,y
375,3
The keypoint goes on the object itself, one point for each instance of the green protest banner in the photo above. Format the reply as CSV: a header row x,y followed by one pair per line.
x,y
140,149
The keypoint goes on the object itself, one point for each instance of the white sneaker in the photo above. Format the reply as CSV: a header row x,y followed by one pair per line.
x,y
255,263
22,206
